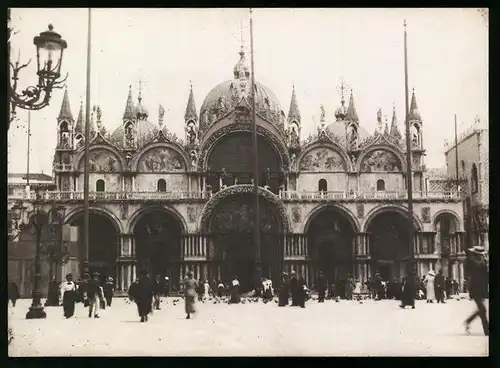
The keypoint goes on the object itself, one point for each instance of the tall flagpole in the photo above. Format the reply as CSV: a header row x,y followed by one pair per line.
x,y
86,218
409,175
257,255
456,153
28,155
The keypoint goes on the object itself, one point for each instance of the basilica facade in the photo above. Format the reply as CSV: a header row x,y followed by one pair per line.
x,y
334,201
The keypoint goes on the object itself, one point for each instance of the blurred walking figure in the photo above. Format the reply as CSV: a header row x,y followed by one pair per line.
x,y
321,287
190,285
109,289
141,292
157,290
284,291
349,287
93,295
69,296
235,291
13,293
439,287
409,290
206,290
477,270
429,285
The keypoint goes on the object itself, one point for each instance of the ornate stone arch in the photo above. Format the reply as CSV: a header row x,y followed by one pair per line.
x,y
137,215
381,147
390,208
79,156
209,144
329,145
212,204
456,218
70,216
338,207
173,147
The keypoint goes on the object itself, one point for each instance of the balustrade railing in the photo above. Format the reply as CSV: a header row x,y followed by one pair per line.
x,y
337,195
63,167
284,195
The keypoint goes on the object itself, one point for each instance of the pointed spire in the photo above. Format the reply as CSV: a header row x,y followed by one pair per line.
x,y
414,113
386,129
294,113
80,124
65,112
129,107
190,113
394,125
352,114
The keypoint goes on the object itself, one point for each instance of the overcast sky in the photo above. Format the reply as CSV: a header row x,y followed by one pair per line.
x,y
311,48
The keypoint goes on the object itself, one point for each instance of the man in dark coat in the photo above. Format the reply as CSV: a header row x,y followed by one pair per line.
x,y
109,288
301,292
294,289
141,292
378,287
478,285
13,293
439,287
409,290
284,291
321,287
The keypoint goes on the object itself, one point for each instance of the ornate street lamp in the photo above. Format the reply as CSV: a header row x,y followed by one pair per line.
x,y
49,54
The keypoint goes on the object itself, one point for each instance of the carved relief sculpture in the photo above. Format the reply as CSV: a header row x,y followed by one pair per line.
x,y
296,215
360,207
129,136
194,159
191,212
102,161
161,160
294,136
322,159
123,211
380,161
191,133
426,215
293,161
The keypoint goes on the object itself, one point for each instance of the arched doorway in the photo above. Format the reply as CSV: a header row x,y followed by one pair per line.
x,y
389,244
330,237
231,230
233,155
158,244
104,241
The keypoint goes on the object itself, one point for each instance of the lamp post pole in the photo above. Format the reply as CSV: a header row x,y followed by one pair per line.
x,y
36,310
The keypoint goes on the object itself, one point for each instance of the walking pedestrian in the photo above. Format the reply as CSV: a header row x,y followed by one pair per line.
x,y
409,290
429,286
141,292
284,291
439,287
321,287
109,289
477,270
157,290
94,295
235,291
294,289
189,284
69,296
206,290
13,293
302,291
267,286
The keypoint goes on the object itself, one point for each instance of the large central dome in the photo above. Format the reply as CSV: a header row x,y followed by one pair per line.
x,y
226,96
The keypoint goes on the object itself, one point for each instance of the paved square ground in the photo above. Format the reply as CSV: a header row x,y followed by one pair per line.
x,y
346,328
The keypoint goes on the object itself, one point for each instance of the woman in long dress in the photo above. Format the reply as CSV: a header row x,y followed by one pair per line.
x,y
429,285
235,291
190,286
69,296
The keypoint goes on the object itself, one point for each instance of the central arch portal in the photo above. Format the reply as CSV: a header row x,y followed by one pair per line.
x,y
232,246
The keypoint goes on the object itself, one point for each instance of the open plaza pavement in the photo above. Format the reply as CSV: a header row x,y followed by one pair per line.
x,y
344,328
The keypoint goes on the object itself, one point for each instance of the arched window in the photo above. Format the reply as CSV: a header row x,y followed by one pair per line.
x,y
322,185
380,185
100,186
161,185
474,179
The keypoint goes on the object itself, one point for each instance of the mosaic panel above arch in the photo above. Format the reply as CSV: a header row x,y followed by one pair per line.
x,y
102,160
161,159
381,161
322,159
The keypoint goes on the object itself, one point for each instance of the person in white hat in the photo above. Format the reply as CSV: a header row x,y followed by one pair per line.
x,y
429,285
477,270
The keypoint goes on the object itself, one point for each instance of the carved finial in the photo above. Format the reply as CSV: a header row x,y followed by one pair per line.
x,y
191,85
51,27
341,89
140,89
404,23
